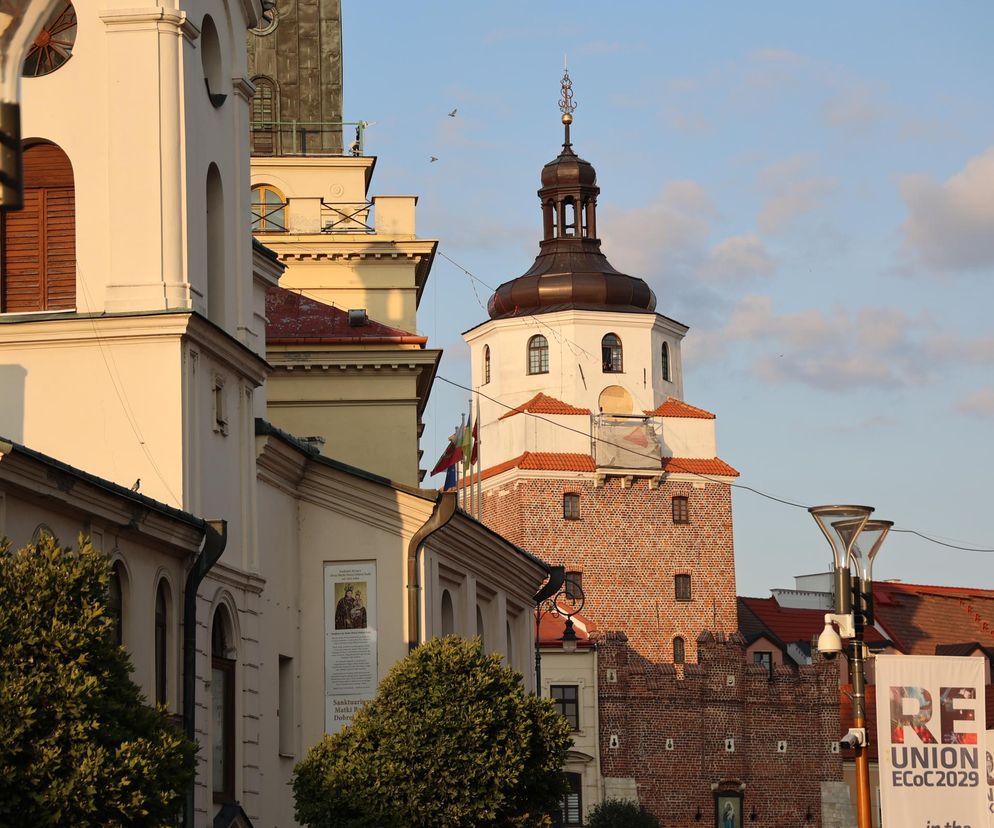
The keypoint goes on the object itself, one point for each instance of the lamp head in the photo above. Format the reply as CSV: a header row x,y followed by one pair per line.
x,y
866,546
831,518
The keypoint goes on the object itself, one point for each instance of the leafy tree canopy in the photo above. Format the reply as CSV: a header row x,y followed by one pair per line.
x,y
451,739
78,745
620,813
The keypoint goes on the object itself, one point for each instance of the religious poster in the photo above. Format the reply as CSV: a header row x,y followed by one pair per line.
x,y
930,731
350,640
728,810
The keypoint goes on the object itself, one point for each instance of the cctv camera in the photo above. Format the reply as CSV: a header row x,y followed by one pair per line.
x,y
829,642
856,737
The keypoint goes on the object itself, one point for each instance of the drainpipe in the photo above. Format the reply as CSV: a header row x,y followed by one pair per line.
x,y
445,508
215,539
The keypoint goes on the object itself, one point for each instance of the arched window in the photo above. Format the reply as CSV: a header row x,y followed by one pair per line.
x,y
161,643
611,360
215,247
39,242
263,117
486,364
666,361
448,614
481,629
53,43
569,218
268,210
115,604
538,355
222,707
510,645
679,650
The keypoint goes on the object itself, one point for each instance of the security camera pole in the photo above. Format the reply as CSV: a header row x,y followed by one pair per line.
x,y
843,526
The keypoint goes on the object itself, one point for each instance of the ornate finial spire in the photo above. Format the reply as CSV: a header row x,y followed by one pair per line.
x,y
566,105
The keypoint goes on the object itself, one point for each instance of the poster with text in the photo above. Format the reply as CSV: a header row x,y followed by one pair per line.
x,y
989,773
930,732
349,640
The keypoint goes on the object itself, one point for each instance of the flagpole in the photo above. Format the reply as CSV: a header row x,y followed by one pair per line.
x,y
479,464
469,466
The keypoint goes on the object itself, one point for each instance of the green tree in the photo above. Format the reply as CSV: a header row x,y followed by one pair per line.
x,y
620,813
450,740
78,744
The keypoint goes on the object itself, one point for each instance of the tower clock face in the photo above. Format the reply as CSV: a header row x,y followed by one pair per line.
x,y
53,44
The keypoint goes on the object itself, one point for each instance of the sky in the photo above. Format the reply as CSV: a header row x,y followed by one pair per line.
x,y
810,190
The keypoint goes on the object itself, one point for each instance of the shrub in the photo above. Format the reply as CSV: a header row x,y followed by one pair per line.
x,y
451,739
78,745
620,813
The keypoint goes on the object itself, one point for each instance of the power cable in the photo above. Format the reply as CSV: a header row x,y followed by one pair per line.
x,y
685,470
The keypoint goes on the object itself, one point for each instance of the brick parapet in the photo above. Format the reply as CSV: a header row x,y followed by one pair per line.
x,y
648,704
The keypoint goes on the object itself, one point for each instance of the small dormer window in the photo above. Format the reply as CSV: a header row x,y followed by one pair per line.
x,y
538,355
611,354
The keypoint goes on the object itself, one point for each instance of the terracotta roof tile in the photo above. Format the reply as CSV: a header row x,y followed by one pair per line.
x,y
563,461
552,627
699,465
922,617
293,319
544,404
678,408
789,624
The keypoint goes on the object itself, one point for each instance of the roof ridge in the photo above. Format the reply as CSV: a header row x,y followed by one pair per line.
x,y
543,403
679,408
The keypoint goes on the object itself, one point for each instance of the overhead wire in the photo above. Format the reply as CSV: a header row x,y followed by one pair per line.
x,y
677,466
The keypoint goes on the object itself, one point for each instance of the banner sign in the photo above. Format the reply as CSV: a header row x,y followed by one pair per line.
x,y
930,731
350,666
990,778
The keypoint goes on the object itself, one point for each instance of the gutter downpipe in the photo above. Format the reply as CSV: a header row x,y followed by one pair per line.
x,y
215,540
445,508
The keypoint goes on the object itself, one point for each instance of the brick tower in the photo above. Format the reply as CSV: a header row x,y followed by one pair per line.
x,y
590,456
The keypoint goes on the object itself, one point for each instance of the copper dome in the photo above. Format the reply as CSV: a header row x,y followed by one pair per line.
x,y
570,270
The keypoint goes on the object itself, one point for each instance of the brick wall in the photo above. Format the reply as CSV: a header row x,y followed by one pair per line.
x,y
723,697
629,550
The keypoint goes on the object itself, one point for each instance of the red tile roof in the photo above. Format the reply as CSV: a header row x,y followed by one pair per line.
x,y
544,404
920,617
293,319
678,408
552,627
699,465
562,461
789,624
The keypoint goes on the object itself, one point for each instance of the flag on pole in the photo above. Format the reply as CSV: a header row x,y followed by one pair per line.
x,y
452,454
450,477
475,452
465,445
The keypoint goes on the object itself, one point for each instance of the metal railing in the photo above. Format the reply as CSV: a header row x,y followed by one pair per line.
x,y
307,138
347,217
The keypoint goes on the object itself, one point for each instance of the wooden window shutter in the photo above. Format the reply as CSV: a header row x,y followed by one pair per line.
x,y
39,242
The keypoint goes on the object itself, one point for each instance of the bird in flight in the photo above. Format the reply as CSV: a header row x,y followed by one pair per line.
x,y
452,114
432,160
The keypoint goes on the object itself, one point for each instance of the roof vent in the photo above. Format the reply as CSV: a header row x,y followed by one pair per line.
x,y
357,317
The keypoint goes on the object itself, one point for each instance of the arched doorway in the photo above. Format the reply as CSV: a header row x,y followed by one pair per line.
x,y
39,242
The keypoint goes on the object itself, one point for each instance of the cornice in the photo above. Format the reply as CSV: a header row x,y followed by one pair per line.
x,y
243,88
411,251
216,342
235,578
279,465
578,318
45,484
153,17
351,361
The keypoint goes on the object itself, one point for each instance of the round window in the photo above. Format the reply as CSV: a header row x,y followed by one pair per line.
x,y
53,44
269,20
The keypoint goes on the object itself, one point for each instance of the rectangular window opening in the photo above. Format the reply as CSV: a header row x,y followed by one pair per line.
x,y
565,698
681,587
285,712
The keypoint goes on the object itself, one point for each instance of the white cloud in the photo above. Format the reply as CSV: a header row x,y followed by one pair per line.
x,y
950,226
978,404
668,242
792,191
738,259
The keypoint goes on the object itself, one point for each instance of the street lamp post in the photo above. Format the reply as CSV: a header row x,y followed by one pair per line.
x,y
855,542
566,602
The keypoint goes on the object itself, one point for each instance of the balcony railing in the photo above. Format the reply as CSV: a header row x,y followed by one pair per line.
x,y
307,138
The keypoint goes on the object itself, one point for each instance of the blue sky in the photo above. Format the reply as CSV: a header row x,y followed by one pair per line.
x,y
811,191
